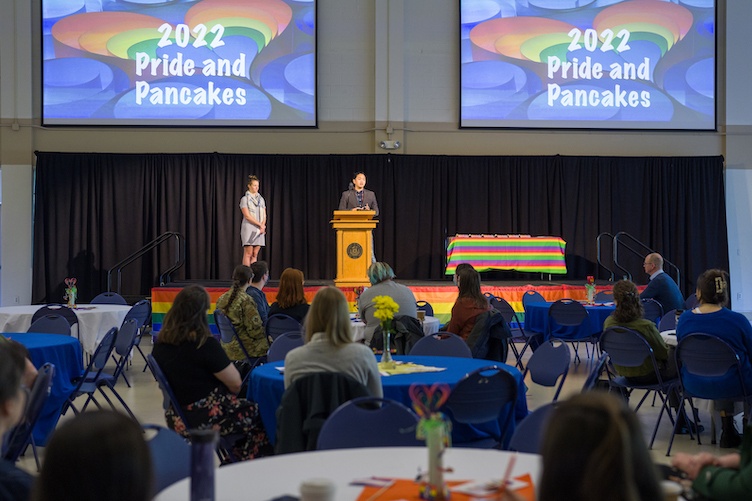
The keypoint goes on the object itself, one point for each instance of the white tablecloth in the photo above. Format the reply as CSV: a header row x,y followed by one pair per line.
x,y
268,478
430,326
94,320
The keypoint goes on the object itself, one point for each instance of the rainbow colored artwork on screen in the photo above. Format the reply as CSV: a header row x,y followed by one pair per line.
x,y
612,64
176,62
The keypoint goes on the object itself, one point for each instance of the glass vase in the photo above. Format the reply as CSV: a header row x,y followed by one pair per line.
x,y
386,355
590,295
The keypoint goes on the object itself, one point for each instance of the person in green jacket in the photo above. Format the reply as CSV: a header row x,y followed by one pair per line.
x,y
727,478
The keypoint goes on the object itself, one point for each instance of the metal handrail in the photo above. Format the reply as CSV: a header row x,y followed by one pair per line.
x,y
645,250
598,252
165,277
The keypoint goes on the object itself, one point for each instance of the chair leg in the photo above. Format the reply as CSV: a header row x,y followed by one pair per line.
x,y
120,399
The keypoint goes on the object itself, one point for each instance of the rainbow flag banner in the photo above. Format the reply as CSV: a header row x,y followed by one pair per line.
x,y
507,252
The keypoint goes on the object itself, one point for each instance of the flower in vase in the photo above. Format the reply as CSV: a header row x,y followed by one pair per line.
x,y
385,310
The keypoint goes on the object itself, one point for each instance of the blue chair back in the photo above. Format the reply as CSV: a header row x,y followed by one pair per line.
x,y
278,324
283,344
443,344
691,301
168,396
715,362
51,324
653,310
604,297
549,364
626,347
109,298
369,422
531,297
424,306
482,396
170,456
56,309
19,437
141,312
528,434
668,322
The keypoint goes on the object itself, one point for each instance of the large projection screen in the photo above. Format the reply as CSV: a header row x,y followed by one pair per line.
x,y
179,63
588,64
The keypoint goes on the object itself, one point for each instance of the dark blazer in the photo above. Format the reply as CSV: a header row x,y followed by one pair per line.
x,y
664,290
349,200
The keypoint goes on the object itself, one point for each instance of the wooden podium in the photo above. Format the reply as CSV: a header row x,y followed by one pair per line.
x,y
354,246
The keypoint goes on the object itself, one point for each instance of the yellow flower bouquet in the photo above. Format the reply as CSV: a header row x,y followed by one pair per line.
x,y
385,310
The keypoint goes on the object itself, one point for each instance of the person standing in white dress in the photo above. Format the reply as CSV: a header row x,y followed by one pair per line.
x,y
253,227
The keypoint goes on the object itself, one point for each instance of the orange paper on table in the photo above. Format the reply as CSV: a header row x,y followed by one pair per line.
x,y
404,488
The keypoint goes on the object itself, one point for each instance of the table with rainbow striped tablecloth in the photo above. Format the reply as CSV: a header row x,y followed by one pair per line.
x,y
507,252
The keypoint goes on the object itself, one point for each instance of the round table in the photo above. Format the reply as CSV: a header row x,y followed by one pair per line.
x,y
65,353
278,476
536,320
430,326
94,320
268,385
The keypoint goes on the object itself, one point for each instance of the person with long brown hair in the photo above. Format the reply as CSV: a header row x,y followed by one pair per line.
x,y
291,299
593,449
203,378
242,312
469,304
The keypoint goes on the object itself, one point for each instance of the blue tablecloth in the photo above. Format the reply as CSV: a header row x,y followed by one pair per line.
x,y
536,320
267,386
65,353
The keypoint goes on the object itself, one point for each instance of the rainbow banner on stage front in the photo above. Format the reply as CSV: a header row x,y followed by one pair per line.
x,y
516,252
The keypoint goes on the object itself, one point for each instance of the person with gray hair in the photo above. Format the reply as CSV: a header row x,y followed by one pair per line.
x,y
382,281
14,483
661,287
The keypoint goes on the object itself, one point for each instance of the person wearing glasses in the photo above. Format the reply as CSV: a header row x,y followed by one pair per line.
x,y
661,287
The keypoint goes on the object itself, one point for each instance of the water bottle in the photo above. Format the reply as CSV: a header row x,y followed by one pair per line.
x,y
204,443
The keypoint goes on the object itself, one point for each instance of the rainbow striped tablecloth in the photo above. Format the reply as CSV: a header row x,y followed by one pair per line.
x,y
519,253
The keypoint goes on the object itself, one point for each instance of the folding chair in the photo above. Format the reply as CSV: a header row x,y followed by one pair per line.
x,y
170,456
604,297
56,309
125,341
227,333
511,318
627,348
51,324
141,312
549,364
710,369
278,324
94,378
691,301
283,344
109,298
653,310
369,422
528,434
424,306
20,437
595,374
483,396
443,344
571,316
668,322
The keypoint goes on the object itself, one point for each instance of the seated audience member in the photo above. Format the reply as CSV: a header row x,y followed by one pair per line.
x,y
14,483
329,346
722,478
30,372
241,310
382,281
712,317
204,379
469,304
593,449
95,456
260,277
290,297
661,287
629,314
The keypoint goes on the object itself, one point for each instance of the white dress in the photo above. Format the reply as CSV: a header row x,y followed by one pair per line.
x,y
250,233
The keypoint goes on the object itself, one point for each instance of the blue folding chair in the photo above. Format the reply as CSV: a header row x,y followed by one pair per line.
x,y
691,301
125,341
549,364
424,306
170,456
628,348
56,309
595,374
278,324
227,333
141,312
109,298
604,297
283,344
443,344
569,314
668,322
482,396
528,434
51,324
369,422
715,373
512,320
653,310
20,437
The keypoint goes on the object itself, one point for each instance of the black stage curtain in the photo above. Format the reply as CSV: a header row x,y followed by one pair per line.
x,y
92,210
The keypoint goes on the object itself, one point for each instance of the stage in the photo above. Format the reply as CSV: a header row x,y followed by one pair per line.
x,y
440,294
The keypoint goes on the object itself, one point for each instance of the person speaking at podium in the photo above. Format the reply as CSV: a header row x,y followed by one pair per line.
x,y
358,197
